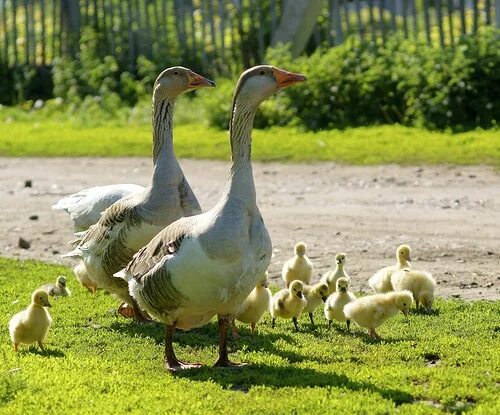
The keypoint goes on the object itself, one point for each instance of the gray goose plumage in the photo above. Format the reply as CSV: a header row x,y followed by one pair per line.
x,y
129,224
206,265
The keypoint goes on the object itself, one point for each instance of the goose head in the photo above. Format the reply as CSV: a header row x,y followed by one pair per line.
x,y
300,249
321,290
340,258
61,281
342,285
297,288
403,300
40,297
260,82
176,81
403,253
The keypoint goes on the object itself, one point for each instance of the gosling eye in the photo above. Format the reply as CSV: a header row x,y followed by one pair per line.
x,y
404,304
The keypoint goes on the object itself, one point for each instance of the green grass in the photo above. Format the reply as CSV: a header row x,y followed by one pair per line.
x,y
97,362
366,145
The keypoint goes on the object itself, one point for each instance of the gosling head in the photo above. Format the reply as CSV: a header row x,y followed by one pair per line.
x,y
176,81
426,298
321,290
61,281
403,253
300,248
296,288
265,280
40,297
340,258
403,301
342,285
260,82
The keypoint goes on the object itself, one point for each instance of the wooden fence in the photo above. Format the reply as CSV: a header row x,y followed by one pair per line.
x,y
217,35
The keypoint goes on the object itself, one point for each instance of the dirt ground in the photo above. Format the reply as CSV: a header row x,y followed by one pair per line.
x,y
450,216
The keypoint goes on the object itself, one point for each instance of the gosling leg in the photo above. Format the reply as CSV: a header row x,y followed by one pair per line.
x,y
348,323
329,324
273,323
40,345
252,328
295,323
311,318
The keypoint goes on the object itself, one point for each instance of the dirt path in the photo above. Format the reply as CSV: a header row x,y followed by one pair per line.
x,y
449,215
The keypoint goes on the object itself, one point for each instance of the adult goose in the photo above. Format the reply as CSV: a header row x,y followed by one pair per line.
x,y
129,224
206,265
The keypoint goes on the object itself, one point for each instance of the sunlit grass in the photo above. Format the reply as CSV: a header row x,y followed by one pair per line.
x,y
97,362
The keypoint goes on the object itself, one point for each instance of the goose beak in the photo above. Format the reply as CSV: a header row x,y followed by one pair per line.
x,y
285,78
198,81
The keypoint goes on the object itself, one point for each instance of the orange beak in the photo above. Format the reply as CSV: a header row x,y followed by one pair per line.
x,y
286,78
198,81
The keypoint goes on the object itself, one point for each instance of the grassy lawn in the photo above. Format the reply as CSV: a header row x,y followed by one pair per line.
x,y
366,145
96,362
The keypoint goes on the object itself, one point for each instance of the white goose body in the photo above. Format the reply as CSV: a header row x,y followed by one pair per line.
x,y
86,206
131,223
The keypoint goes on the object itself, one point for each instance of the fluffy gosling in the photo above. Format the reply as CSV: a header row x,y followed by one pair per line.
x,y
331,277
420,283
82,275
299,267
315,295
380,282
334,306
59,289
373,310
254,306
289,303
32,324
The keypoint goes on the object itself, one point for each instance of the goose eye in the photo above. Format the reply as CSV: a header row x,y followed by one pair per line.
x,y
176,73
262,73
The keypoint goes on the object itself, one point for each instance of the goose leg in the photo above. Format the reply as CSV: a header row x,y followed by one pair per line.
x,y
235,330
171,362
223,360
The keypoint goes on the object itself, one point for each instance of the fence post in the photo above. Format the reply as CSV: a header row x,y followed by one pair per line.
x,y
70,24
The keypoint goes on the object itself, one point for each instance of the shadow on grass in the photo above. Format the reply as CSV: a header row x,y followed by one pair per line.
x,y
423,312
244,378
45,353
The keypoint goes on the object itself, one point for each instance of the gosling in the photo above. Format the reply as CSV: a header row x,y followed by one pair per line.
x,y
254,306
315,295
373,310
82,275
59,289
380,282
334,306
299,267
420,283
331,277
289,303
31,325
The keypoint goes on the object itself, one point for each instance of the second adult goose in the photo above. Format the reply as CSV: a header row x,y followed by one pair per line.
x,y
206,265
130,223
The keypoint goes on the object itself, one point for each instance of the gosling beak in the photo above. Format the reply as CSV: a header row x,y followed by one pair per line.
x,y
405,312
299,294
47,304
324,298
198,81
285,78
428,309
343,290
265,283
338,261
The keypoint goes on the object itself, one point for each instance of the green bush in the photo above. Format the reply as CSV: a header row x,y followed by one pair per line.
x,y
403,81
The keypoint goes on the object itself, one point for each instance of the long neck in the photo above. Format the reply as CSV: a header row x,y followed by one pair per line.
x,y
164,160
241,184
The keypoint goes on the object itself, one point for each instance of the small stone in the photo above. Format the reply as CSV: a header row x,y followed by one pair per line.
x,y
23,243
338,233
490,253
33,217
489,285
473,284
55,252
28,183
455,295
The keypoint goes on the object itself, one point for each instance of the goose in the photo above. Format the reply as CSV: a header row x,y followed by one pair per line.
x,y
31,325
299,267
315,295
86,206
334,306
59,289
289,303
380,282
331,277
421,283
127,225
206,265
254,306
373,310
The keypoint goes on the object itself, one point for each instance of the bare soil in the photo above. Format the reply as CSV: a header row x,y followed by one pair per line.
x,y
450,216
